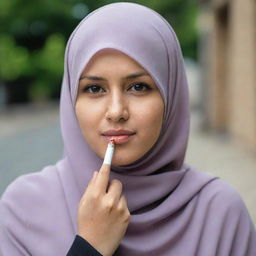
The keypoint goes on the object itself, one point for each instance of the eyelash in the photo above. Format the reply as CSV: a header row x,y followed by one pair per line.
x,y
87,88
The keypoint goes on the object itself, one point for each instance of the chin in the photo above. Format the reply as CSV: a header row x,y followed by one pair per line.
x,y
119,160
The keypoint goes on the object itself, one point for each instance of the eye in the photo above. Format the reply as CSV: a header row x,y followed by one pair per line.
x,y
140,87
93,89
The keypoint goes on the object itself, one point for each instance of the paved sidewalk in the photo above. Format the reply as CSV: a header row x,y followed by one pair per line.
x,y
207,152
216,154
18,118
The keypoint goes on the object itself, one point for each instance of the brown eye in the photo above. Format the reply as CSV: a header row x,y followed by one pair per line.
x,y
93,89
140,87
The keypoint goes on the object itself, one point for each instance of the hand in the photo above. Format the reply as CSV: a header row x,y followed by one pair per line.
x,y
103,215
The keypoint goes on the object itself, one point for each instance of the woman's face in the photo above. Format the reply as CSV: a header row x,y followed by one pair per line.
x,y
117,99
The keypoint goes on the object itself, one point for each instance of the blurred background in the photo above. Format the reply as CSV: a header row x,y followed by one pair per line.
x,y
218,40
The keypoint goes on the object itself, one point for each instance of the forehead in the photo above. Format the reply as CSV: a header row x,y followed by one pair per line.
x,y
108,59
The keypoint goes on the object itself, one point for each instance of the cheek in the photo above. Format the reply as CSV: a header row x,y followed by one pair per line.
x,y
81,114
88,116
149,122
152,116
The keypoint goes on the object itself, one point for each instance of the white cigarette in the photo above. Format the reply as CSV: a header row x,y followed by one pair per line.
x,y
109,153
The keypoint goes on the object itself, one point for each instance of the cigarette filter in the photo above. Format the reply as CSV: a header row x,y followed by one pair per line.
x,y
109,153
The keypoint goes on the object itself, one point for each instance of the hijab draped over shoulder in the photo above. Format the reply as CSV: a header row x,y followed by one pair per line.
x,y
175,210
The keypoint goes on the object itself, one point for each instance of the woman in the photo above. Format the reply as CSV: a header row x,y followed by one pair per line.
x,y
124,79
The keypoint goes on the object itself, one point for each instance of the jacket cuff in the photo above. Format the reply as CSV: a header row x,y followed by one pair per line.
x,y
81,247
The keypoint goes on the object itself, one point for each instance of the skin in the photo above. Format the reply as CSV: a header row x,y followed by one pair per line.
x,y
116,102
103,215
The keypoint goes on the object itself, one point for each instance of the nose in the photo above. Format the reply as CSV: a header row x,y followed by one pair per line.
x,y
117,109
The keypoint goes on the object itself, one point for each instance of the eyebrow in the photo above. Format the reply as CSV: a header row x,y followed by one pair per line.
x,y
131,76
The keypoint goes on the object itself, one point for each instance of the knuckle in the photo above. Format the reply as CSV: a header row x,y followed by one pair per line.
x,y
109,205
122,209
117,182
95,197
127,216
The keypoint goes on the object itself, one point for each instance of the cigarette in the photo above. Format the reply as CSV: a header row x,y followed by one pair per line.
x,y
109,153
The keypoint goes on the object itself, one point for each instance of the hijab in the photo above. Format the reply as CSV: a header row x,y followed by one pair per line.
x,y
175,210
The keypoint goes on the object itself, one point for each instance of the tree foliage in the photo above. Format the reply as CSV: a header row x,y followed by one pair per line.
x,y
33,35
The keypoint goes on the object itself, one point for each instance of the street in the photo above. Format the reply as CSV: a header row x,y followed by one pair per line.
x,y
29,140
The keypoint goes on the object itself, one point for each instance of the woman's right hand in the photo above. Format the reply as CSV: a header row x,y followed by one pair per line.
x,y
103,215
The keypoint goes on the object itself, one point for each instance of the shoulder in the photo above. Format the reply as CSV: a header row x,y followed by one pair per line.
x,y
219,189
219,210
31,185
213,192
223,199
30,195
32,208
224,205
211,189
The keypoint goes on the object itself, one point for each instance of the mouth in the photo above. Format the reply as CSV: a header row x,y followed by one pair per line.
x,y
119,136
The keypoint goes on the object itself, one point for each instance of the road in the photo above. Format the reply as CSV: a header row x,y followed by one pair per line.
x,y
29,140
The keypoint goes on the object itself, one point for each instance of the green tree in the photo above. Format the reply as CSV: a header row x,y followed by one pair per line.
x,y
33,35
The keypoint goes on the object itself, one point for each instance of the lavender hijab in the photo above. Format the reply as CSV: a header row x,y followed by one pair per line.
x,y
175,210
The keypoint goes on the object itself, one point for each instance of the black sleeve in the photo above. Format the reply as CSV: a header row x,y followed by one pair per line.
x,y
81,247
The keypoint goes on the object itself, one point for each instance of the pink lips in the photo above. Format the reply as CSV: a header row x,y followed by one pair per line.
x,y
119,136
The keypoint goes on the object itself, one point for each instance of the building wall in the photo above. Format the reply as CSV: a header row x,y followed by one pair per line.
x,y
231,67
242,75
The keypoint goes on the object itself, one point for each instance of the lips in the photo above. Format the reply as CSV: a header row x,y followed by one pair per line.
x,y
119,136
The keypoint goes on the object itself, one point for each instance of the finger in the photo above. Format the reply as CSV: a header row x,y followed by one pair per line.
x,y
123,202
93,178
103,176
94,175
102,179
123,207
115,190
90,185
